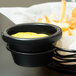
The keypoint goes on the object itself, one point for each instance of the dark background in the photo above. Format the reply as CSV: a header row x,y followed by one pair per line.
x,y
26,3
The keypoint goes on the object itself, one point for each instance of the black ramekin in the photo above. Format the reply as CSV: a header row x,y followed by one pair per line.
x,y
32,52
32,59
32,45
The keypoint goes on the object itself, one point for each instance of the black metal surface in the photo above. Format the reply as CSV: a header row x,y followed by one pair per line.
x,y
64,62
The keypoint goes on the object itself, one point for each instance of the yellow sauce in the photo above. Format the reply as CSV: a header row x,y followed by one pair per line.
x,y
28,35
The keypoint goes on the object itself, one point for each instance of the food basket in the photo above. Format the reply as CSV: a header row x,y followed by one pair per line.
x,y
63,59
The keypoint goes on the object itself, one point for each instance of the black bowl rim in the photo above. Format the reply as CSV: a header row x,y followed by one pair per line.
x,y
59,31
38,53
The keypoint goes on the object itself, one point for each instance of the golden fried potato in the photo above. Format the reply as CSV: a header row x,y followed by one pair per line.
x,y
72,23
74,12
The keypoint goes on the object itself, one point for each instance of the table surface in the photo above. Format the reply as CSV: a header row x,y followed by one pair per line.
x,y
9,68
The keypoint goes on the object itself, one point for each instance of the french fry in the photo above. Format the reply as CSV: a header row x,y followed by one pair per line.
x,y
40,20
62,15
56,21
72,26
69,32
72,23
47,19
74,12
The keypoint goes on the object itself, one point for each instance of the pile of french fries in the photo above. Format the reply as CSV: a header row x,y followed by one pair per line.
x,y
67,25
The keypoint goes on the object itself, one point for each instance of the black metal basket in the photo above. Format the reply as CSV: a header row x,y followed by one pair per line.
x,y
64,62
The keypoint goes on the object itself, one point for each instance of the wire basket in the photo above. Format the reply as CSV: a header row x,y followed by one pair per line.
x,y
64,62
